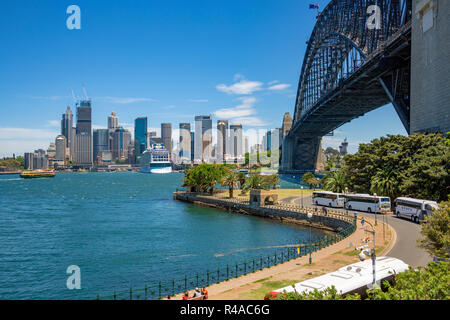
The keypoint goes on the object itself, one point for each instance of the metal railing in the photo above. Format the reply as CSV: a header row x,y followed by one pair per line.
x,y
188,282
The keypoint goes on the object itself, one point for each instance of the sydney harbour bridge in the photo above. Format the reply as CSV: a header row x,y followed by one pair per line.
x,y
358,58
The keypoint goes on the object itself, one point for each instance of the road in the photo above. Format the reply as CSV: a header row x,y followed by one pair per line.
x,y
405,247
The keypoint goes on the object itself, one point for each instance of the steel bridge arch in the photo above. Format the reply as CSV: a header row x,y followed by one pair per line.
x,y
346,21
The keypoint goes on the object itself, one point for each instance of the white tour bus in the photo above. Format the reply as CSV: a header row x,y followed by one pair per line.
x,y
354,278
414,209
328,198
366,202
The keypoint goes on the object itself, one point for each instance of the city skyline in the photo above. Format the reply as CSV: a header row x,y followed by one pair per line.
x,y
208,68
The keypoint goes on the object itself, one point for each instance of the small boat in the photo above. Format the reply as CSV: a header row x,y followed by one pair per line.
x,y
40,173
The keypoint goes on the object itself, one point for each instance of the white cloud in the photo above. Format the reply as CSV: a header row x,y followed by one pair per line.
x,y
243,87
279,87
21,140
242,110
54,123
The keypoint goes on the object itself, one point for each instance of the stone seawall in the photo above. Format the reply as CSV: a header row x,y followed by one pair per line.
x,y
332,221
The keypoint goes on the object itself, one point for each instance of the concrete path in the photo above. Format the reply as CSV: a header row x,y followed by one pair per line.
x,y
408,232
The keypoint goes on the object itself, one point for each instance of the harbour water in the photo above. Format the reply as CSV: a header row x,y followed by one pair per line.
x,y
122,229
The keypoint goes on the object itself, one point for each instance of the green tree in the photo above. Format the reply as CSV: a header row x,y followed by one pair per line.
x,y
436,232
256,181
335,181
272,180
205,177
230,180
327,294
310,178
385,183
429,283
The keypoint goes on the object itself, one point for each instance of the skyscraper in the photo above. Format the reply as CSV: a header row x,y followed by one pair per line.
x,y
60,145
185,142
236,145
166,135
192,145
203,139
113,122
100,141
222,138
121,142
66,126
140,136
84,117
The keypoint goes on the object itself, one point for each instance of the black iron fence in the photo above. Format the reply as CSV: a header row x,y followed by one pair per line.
x,y
188,282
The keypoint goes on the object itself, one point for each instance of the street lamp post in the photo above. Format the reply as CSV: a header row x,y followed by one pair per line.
x,y
373,255
310,243
375,212
302,195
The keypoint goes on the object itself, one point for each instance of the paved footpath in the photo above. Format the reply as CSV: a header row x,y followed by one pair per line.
x,y
405,247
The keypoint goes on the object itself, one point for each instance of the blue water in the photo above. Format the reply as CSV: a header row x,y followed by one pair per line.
x,y
122,229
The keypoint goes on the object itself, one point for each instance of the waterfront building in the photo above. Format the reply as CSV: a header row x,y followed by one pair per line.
x,y
140,136
203,139
66,126
166,135
245,145
121,141
185,143
60,149
236,145
83,149
28,160
51,150
222,138
100,143
287,124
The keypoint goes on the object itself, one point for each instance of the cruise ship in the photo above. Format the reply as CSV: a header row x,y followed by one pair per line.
x,y
155,159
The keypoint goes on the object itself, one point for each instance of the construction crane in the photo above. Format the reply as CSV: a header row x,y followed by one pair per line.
x,y
85,92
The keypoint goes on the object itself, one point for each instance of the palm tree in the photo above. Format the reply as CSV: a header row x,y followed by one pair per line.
x,y
310,178
385,182
255,182
272,180
231,181
335,181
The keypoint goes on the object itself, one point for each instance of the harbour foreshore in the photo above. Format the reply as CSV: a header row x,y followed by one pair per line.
x,y
253,286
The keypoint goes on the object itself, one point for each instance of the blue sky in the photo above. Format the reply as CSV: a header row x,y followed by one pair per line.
x,y
167,60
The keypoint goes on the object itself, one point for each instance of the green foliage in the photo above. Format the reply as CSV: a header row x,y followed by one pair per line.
x,y
230,180
429,283
256,181
327,294
436,232
310,178
272,180
420,163
385,182
205,176
334,158
14,164
335,181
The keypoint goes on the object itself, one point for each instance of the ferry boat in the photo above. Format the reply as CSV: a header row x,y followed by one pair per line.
x,y
155,159
40,173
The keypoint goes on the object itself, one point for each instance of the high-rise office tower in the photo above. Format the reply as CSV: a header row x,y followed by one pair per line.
x,y
222,138
83,149
166,135
236,146
100,141
121,142
185,142
60,146
113,122
140,136
28,160
192,145
203,139
66,126
245,145
84,117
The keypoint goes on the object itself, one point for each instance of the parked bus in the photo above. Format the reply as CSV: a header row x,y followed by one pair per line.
x,y
366,202
354,278
328,198
415,209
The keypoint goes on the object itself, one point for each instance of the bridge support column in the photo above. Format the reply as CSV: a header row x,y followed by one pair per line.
x,y
306,153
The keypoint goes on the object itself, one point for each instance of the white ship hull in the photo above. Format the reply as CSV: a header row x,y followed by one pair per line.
x,y
147,169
